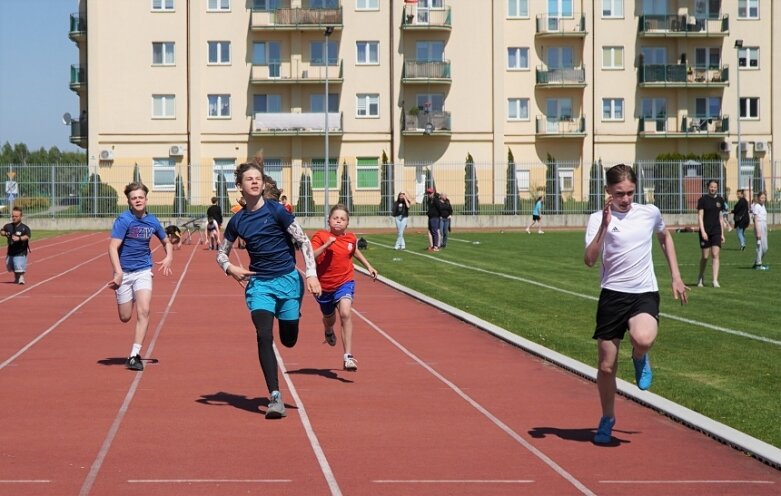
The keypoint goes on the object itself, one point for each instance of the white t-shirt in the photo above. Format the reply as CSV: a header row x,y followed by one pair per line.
x,y
627,265
759,212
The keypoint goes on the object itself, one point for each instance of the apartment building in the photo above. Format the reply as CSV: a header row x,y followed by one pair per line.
x,y
192,88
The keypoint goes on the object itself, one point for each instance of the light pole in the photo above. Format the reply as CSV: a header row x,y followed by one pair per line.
x,y
328,31
738,47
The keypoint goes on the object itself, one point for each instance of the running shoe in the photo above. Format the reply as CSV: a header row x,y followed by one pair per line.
x,y
330,337
643,374
350,363
134,363
21,279
605,430
700,283
716,284
276,407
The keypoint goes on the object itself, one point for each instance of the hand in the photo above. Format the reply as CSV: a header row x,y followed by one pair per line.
x,y
330,241
704,235
165,267
239,273
313,285
116,282
679,291
373,273
607,211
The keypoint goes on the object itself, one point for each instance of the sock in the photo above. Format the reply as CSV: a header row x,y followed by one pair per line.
x,y
347,355
136,350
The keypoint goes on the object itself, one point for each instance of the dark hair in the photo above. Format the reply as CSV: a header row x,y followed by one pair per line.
x,y
339,206
16,209
214,199
134,186
712,181
270,189
620,172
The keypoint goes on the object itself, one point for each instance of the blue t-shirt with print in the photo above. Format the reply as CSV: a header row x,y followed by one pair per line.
x,y
270,248
135,233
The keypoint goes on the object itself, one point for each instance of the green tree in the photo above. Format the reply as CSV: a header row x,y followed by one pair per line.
x,y
98,198
345,189
551,200
595,187
386,186
180,198
306,201
471,199
137,174
511,199
222,193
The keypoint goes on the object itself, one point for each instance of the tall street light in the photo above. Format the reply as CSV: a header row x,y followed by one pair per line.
x,y
738,47
328,31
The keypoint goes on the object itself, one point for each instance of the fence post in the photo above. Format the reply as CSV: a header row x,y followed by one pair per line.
x,y
95,195
52,194
680,187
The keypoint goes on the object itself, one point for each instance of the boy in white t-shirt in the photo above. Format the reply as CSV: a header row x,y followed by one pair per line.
x,y
759,212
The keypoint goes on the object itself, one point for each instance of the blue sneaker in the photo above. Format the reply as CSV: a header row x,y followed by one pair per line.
x,y
643,374
605,430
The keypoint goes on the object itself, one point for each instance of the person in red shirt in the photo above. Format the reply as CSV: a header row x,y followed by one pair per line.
x,y
334,252
285,203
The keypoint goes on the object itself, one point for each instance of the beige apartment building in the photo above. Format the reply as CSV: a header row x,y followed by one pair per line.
x,y
193,88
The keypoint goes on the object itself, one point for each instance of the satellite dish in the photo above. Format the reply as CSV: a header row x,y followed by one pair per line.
x,y
67,119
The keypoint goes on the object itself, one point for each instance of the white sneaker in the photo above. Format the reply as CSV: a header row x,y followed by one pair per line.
x,y
21,279
700,283
716,284
350,363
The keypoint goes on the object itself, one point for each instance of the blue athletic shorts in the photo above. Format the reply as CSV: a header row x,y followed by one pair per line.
x,y
280,296
16,263
329,299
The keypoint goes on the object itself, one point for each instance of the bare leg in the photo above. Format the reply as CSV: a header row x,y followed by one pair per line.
x,y
606,374
345,316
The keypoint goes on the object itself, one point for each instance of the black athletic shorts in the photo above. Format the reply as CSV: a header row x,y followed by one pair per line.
x,y
616,308
714,239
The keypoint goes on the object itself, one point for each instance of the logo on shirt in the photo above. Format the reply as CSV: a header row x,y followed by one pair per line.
x,y
349,247
615,229
140,232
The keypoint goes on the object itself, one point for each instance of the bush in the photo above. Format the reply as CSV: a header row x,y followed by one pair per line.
x,y
32,203
98,198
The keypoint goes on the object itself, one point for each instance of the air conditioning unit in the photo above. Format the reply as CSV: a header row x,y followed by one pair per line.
x,y
176,151
760,146
106,155
724,146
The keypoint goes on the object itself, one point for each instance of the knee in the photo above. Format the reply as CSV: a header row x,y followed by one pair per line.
x,y
125,318
607,367
288,332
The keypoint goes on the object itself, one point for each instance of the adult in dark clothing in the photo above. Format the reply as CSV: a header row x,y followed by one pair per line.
x,y
18,235
400,214
446,211
214,211
709,209
434,215
741,217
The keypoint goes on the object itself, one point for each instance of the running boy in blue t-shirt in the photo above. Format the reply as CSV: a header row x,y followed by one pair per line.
x,y
131,260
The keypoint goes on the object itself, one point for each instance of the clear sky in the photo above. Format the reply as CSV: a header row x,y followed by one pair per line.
x,y
35,59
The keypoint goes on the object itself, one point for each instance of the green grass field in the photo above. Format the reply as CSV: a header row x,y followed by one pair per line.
x,y
720,355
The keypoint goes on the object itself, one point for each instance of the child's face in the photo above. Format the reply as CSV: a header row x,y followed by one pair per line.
x,y
137,201
251,183
621,195
761,199
338,221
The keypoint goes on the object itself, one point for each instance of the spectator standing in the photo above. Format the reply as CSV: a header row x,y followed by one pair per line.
x,y
741,216
709,208
400,215
18,235
434,214
759,213
444,222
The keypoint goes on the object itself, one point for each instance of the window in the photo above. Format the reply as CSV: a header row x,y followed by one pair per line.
x,y
367,4
367,105
522,179
560,58
226,167
612,109
612,8
316,102
748,9
708,108
272,167
560,8
317,53
318,173
367,170
517,58
517,109
430,102
266,5
748,57
163,53
219,52
268,53
430,51
612,57
163,174
707,58
219,105
517,8
161,5
323,4
749,108
163,106
367,52
262,104
218,5
654,55
566,180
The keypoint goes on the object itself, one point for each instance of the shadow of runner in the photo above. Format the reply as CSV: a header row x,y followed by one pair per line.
x,y
327,373
241,402
121,361
579,435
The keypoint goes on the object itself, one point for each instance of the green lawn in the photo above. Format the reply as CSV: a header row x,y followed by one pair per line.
x,y
720,355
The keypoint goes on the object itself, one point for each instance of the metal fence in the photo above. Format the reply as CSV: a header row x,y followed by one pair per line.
x,y
369,189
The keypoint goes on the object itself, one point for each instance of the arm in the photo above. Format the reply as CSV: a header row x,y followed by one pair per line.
x,y
113,255
165,264
313,285
668,248
320,249
365,263
595,246
223,260
701,222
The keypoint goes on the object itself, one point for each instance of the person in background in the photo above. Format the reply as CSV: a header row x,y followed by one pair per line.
x,y
759,212
536,217
434,214
709,208
446,211
400,214
214,212
741,217
285,203
18,235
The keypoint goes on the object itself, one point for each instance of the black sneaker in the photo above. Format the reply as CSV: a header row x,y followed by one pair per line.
x,y
134,363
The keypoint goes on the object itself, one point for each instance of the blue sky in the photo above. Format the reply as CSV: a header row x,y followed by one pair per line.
x,y
35,59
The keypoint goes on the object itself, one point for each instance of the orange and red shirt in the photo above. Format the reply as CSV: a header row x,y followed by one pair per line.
x,y
335,264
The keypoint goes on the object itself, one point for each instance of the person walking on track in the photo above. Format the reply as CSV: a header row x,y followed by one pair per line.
x,y
18,235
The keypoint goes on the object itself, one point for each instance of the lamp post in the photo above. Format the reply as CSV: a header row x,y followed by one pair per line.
x,y
738,47
328,31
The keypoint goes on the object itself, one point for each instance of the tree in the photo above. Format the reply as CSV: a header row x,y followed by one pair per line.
x,y
180,199
386,186
757,182
595,187
429,184
471,200
551,201
222,193
137,174
511,198
306,202
345,189
98,198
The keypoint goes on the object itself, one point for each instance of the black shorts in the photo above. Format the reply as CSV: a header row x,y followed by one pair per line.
x,y
714,239
616,308
535,217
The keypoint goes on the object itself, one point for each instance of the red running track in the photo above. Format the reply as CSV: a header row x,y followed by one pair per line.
x,y
437,407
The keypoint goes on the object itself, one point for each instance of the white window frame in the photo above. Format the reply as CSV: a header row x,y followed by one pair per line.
x,y
615,109
163,6
745,113
748,9
516,108
218,5
612,9
223,52
367,105
367,4
167,105
518,54
367,52
226,166
166,50
523,179
220,102
748,58
517,9
609,55
566,180
163,165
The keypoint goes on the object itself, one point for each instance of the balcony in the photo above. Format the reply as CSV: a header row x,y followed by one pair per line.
x,y
682,26
295,18
688,127
560,127
296,72
679,76
78,78
426,71
296,124
414,18
79,133
564,77
435,123
78,28
569,27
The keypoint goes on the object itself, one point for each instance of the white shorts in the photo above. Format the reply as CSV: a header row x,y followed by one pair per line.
x,y
132,282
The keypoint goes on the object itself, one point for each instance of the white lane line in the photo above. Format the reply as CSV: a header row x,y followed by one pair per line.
x,y
477,406
43,244
112,432
208,481
453,481
77,248
686,482
25,481
592,298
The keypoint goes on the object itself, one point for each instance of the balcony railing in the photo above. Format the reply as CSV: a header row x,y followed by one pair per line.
x,y
78,78
688,127
680,75
560,126
414,17
78,27
683,25
561,26
434,122
425,71
296,18
296,72
561,77
294,124
79,133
